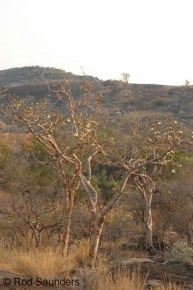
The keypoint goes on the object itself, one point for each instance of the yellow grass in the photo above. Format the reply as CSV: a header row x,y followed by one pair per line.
x,y
100,279
44,263
48,263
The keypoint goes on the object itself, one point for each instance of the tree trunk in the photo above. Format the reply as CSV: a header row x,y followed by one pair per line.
x,y
95,235
149,227
67,233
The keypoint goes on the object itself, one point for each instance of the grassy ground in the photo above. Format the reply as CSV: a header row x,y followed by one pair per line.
x,y
48,263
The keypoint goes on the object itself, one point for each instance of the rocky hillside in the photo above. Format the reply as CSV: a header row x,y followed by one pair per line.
x,y
120,98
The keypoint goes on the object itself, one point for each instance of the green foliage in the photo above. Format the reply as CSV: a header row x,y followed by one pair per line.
x,y
182,157
104,180
43,172
177,158
39,150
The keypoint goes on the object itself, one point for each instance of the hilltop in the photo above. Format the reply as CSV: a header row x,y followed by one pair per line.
x,y
33,75
118,97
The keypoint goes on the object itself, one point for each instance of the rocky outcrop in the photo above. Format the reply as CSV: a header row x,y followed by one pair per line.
x,y
156,270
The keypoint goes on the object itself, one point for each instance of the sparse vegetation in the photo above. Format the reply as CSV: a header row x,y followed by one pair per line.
x,y
83,189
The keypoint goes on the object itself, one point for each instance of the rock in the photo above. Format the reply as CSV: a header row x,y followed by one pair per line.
x,y
72,248
136,261
152,284
157,269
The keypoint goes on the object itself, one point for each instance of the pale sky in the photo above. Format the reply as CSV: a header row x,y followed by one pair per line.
x,y
152,40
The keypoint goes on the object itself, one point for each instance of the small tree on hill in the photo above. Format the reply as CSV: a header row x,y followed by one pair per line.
x,y
125,77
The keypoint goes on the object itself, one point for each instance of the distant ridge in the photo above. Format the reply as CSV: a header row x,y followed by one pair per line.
x,y
34,74
120,98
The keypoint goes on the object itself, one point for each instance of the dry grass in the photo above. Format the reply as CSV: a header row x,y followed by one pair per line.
x,y
169,286
48,263
45,262
100,279
81,253
38,263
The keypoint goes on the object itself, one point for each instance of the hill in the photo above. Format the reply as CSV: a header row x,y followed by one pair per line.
x,y
33,75
119,98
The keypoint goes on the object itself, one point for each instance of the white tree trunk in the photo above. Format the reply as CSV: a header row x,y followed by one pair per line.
x,y
149,226
95,235
65,242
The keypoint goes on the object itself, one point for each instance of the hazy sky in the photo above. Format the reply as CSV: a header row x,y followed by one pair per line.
x,y
150,39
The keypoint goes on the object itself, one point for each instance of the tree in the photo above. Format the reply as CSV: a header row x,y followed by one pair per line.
x,y
70,140
160,144
45,127
125,77
28,213
187,83
75,140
